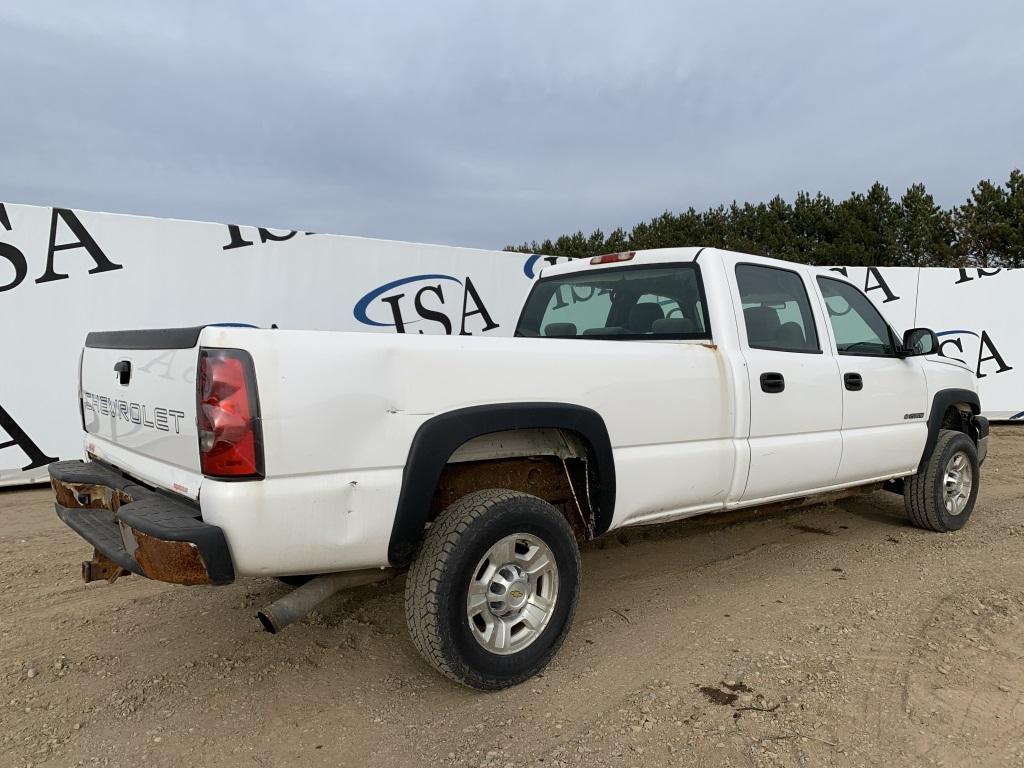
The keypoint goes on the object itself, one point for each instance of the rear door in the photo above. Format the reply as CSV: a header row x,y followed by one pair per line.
x,y
795,392
885,398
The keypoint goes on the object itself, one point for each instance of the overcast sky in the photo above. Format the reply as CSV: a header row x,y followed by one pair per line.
x,y
484,123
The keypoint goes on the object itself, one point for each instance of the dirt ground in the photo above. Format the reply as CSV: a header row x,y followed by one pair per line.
x,y
832,635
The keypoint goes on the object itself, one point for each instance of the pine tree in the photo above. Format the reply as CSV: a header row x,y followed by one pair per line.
x,y
926,235
990,225
868,229
813,229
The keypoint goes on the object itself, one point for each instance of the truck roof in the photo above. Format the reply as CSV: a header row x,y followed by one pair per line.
x,y
651,256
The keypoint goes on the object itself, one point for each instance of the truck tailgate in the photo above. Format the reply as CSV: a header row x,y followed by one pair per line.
x,y
139,404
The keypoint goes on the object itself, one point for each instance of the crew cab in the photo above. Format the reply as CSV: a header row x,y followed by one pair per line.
x,y
640,387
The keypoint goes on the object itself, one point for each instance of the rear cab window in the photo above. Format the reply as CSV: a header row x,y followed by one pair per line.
x,y
662,301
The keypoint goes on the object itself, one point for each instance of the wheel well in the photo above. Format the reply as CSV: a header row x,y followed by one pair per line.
x,y
555,465
466,434
958,418
953,407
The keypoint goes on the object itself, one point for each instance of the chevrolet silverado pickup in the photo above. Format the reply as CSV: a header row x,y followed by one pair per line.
x,y
639,387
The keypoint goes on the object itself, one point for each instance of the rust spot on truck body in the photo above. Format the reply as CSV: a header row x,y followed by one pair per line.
x,y
559,481
88,495
745,513
176,562
541,476
772,508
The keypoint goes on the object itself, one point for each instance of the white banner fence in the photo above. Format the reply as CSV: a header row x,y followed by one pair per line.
x,y
64,273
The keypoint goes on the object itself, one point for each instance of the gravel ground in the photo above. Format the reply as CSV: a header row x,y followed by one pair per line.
x,y
833,635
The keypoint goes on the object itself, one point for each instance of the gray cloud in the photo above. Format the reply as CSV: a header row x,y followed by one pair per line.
x,y
480,123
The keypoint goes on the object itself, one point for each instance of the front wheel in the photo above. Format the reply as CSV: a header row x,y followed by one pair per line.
x,y
941,496
492,592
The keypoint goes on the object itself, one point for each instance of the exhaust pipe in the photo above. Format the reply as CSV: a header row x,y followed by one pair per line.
x,y
301,600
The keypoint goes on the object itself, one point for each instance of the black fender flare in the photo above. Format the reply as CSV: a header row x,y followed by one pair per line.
x,y
438,438
941,402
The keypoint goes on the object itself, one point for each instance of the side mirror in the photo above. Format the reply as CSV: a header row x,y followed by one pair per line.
x,y
920,341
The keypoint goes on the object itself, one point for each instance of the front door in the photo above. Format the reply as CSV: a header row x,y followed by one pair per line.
x,y
795,392
885,397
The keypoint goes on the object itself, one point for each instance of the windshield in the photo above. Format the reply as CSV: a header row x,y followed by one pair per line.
x,y
641,302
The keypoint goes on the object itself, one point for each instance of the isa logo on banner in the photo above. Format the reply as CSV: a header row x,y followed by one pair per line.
x,y
431,303
973,349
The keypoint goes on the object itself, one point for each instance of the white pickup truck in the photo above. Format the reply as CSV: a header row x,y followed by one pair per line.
x,y
641,387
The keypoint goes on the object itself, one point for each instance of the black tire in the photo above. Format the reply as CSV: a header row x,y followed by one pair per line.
x,y
438,583
923,494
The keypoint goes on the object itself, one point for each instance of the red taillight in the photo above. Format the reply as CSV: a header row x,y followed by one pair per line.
x,y
230,441
611,258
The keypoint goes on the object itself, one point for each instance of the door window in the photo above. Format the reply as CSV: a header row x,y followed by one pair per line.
x,y
776,309
859,328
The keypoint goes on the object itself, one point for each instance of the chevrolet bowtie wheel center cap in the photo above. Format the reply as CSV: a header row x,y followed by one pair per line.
x,y
512,593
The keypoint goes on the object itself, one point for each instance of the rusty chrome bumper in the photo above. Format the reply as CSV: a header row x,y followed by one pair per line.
x,y
137,530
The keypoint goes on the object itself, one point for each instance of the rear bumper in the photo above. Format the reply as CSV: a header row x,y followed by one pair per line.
x,y
138,529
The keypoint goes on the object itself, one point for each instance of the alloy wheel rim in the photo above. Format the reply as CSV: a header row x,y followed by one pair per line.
x,y
957,482
512,594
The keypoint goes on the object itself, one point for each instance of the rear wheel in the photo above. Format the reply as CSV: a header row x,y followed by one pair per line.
x,y
941,496
492,592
